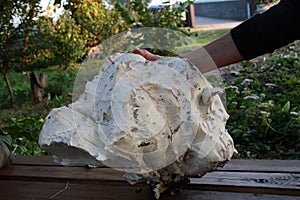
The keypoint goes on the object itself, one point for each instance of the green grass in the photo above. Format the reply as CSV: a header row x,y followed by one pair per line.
x,y
264,114
204,37
20,125
60,82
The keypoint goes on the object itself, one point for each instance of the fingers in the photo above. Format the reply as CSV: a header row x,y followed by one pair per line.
x,y
146,54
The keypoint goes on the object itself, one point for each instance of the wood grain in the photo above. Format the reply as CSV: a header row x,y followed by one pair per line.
x,y
292,166
33,177
233,165
19,190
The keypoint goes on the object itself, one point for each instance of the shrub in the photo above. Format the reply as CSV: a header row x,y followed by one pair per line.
x,y
138,14
264,104
21,135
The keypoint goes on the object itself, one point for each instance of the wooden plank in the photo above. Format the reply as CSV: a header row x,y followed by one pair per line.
x,y
269,183
19,190
55,190
24,172
251,179
215,195
238,176
279,166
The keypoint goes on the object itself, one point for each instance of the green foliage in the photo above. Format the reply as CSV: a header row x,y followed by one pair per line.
x,y
84,24
17,40
65,44
21,89
16,28
97,23
138,14
264,105
22,134
20,126
204,37
60,83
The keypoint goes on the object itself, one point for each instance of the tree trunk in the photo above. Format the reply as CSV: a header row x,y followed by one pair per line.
x,y
12,97
38,88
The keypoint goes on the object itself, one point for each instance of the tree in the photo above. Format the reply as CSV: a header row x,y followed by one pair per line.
x,y
85,24
64,44
82,25
97,22
16,28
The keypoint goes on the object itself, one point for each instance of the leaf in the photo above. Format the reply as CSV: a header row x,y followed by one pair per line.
x,y
286,107
6,140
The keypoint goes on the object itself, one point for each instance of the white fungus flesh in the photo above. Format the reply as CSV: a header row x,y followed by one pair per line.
x,y
160,120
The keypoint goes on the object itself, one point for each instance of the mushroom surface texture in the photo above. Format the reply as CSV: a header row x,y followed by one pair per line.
x,y
159,121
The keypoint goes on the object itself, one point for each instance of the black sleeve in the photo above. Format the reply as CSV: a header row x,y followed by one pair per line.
x,y
263,33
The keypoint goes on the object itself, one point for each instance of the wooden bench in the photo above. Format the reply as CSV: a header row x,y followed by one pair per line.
x,y
32,177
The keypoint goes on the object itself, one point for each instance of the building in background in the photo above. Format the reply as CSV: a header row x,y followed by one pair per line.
x,y
225,9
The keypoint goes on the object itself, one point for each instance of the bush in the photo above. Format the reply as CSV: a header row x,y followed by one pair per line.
x,y
21,136
20,126
264,104
138,14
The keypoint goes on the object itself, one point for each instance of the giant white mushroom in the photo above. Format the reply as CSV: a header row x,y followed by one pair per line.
x,y
160,121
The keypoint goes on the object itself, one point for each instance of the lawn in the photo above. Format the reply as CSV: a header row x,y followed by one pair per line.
x,y
263,98
204,37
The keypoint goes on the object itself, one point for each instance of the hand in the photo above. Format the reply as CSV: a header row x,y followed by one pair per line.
x,y
199,56
146,54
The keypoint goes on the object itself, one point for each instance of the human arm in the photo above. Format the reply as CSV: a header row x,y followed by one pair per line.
x,y
262,33
207,58
266,32
218,53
